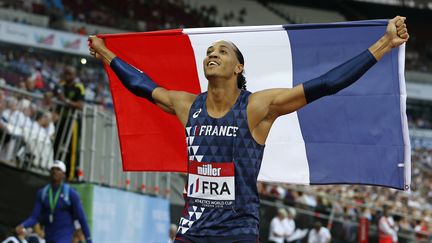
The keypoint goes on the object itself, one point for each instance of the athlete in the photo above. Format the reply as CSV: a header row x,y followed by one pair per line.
x,y
227,126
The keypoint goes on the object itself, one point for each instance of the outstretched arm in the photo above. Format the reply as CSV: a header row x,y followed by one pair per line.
x,y
265,106
140,84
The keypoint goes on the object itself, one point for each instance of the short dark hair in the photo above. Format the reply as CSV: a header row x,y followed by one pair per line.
x,y
241,79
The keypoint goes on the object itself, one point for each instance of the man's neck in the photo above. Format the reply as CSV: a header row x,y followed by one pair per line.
x,y
69,83
221,97
55,184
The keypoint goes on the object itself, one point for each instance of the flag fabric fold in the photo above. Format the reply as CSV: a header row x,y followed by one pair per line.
x,y
357,136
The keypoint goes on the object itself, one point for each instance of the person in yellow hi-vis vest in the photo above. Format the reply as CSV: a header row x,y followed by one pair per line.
x,y
71,93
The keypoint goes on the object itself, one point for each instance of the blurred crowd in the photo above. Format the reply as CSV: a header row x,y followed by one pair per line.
x,y
133,15
41,73
26,129
419,122
412,210
418,56
40,92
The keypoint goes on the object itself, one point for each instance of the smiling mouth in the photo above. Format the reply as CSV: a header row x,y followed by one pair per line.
x,y
212,64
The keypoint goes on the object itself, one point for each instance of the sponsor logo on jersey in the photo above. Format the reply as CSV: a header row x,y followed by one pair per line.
x,y
208,170
196,114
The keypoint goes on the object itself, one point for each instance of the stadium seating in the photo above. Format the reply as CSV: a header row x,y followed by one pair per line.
x,y
301,14
240,12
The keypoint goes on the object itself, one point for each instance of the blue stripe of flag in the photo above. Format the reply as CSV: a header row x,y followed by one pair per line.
x,y
354,136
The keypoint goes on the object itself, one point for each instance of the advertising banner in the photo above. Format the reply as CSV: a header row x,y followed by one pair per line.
x,y
22,34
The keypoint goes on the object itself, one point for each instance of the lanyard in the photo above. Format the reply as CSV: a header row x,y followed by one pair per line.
x,y
53,201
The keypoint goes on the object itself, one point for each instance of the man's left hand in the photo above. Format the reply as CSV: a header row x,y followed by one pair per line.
x,y
397,31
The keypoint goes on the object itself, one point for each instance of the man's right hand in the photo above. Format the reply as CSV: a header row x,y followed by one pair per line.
x,y
95,46
98,49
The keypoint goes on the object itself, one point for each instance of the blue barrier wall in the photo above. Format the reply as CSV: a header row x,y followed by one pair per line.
x,y
123,217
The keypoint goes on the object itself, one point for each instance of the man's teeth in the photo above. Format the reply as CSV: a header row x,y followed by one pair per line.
x,y
212,63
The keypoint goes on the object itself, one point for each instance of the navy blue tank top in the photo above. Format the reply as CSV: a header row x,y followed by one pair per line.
x,y
224,162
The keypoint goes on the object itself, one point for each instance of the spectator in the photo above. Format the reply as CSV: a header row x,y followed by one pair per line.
x,y
72,94
290,225
421,230
387,228
279,227
16,238
319,234
11,115
71,91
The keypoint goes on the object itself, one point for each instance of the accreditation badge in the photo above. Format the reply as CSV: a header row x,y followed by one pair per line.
x,y
211,185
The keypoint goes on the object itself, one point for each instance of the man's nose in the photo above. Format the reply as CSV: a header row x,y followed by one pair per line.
x,y
213,54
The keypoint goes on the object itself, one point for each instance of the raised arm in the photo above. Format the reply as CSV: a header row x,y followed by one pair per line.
x,y
137,82
265,106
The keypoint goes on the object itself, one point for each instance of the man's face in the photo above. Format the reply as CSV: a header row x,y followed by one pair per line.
x,y
221,61
69,75
56,174
317,226
281,215
44,121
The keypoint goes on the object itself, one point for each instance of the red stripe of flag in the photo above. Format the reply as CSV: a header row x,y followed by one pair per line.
x,y
150,139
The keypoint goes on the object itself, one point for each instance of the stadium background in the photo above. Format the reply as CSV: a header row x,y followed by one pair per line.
x,y
39,38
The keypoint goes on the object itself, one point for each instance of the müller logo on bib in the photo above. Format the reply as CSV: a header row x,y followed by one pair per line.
x,y
211,185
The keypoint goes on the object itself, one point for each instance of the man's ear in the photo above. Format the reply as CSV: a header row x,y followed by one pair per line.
x,y
239,68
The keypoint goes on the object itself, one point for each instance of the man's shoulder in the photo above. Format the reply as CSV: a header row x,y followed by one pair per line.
x,y
43,189
72,192
275,220
325,231
68,187
79,86
40,190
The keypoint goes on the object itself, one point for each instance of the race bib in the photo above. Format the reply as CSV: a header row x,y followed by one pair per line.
x,y
211,185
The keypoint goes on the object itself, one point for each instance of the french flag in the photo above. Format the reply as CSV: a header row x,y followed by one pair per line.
x,y
357,136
